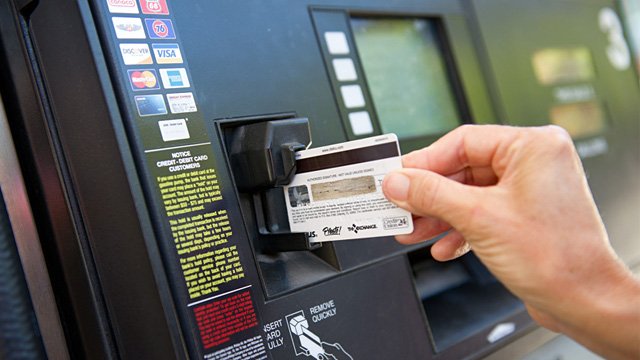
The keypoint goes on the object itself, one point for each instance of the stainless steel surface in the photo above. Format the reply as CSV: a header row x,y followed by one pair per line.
x,y
523,346
562,347
28,245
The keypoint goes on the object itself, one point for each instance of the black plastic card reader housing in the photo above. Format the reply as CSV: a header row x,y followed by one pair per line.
x,y
262,157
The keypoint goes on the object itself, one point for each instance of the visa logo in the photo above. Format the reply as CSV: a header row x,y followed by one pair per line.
x,y
167,53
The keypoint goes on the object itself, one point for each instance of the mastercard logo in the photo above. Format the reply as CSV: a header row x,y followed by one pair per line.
x,y
143,79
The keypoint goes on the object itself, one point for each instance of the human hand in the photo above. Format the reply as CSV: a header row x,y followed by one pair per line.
x,y
519,199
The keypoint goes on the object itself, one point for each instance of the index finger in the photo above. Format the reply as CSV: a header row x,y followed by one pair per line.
x,y
465,146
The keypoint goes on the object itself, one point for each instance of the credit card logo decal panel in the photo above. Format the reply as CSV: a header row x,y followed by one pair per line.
x,y
122,6
136,54
174,78
182,103
143,79
160,29
128,28
149,105
172,130
154,7
167,53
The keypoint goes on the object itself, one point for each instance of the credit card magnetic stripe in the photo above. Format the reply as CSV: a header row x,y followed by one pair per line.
x,y
348,157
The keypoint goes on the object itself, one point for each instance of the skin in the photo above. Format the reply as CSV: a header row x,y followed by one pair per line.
x,y
518,198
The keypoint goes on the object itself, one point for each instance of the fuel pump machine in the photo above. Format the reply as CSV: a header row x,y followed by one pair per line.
x,y
154,138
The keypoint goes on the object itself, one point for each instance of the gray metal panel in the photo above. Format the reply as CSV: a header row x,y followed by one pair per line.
x,y
28,245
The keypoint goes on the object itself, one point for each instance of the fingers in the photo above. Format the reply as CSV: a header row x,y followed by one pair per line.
x,y
450,247
425,193
478,176
424,228
466,146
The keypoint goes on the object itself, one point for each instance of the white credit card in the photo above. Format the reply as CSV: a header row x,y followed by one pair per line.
x,y
336,193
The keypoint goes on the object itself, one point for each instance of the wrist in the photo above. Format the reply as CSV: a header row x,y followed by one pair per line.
x,y
604,315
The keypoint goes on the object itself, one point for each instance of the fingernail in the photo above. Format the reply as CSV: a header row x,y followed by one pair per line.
x,y
397,186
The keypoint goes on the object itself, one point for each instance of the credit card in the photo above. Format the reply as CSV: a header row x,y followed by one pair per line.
x,y
336,193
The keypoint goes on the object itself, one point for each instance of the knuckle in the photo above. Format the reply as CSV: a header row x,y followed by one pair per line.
x,y
558,139
549,139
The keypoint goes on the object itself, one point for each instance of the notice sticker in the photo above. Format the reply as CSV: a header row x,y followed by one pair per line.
x,y
182,103
128,28
167,53
173,130
143,79
336,193
136,54
122,6
149,105
174,78
154,7
160,29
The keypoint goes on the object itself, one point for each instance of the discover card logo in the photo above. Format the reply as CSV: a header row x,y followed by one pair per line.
x,y
136,54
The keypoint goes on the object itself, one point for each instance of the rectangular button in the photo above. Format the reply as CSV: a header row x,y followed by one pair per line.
x,y
336,42
345,70
352,96
360,123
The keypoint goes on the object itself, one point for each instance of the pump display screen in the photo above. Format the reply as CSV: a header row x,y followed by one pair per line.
x,y
406,73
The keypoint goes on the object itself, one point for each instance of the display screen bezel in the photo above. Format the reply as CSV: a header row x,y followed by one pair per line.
x,y
451,68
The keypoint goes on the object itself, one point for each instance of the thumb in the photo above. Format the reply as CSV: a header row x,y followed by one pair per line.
x,y
426,193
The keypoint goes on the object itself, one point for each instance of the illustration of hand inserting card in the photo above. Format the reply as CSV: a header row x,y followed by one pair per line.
x,y
306,343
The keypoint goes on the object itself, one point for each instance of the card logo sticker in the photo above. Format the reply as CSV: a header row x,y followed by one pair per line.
x,y
122,6
128,28
167,53
149,105
160,28
182,103
174,78
172,130
136,54
154,7
143,79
